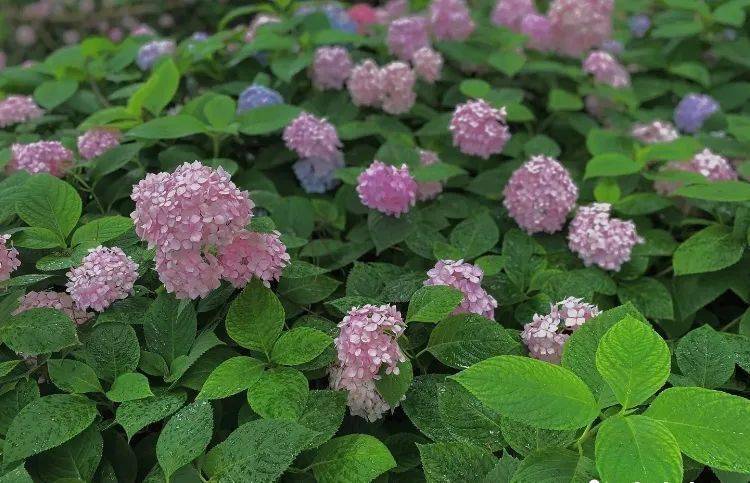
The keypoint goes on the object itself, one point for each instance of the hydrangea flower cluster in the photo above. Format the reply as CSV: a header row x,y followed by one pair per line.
x,y
367,341
693,110
8,258
706,163
391,10
606,69
510,13
365,84
98,141
427,64
468,279
363,15
479,129
251,254
257,96
601,240
331,67
388,189
18,109
316,175
53,300
311,136
189,274
152,51
538,29
104,276
41,157
539,195
407,35
451,20
654,132
579,25
427,190
398,88
337,16
639,25
545,335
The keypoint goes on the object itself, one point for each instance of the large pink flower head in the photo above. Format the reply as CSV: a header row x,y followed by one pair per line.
x,y
41,157
311,137
251,254
367,341
579,25
606,69
451,19
398,88
9,261
427,190
601,240
545,335
706,163
468,279
479,129
104,276
428,64
362,396
540,194
363,15
655,132
510,13
407,35
366,84
388,189
189,274
391,10
539,31
18,109
190,208
53,300
331,67
98,141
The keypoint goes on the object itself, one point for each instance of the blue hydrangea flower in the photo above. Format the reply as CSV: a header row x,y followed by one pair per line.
x,y
150,52
693,110
337,16
257,96
639,25
199,36
316,174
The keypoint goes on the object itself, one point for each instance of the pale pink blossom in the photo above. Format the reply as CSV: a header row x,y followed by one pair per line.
x,y
53,300
41,157
398,88
539,31
598,239
251,254
311,137
365,84
98,141
388,189
479,129
104,276
579,25
188,273
258,21
362,397
331,67
545,335
428,64
708,164
510,13
407,35
606,69
18,109
428,190
451,19
468,279
9,261
655,132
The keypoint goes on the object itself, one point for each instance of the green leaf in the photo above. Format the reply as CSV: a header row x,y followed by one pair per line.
x,y
466,419
324,413
101,230
255,318
352,458
267,119
220,111
525,439
114,159
38,238
518,249
476,235
450,462
534,392
157,92
111,350
710,426
436,172
716,191
634,360
507,62
560,100
39,331
50,203
128,387
476,88
299,345
555,466
63,416
711,249
170,127
466,339
73,376
678,29
137,414
74,460
611,164
169,327
387,231
392,387
433,303
185,436
280,393
230,377
705,357
50,94
637,448
649,296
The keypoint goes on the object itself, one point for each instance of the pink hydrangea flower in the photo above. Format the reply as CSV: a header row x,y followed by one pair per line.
x,y
427,64
539,31
579,25
479,129
362,396
192,207
18,109
258,21
363,15
366,84
468,279
510,13
251,254
9,261
388,189
331,67
407,35
53,300
545,335
311,137
451,19
601,240
398,88
540,194
98,141
104,276
706,163
655,132
427,190
189,274
41,157
391,10
606,69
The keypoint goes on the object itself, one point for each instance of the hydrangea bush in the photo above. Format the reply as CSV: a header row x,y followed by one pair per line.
x,y
427,240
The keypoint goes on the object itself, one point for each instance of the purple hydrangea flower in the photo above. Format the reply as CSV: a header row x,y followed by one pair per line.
x,y
316,174
693,110
152,51
257,96
601,240
639,25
